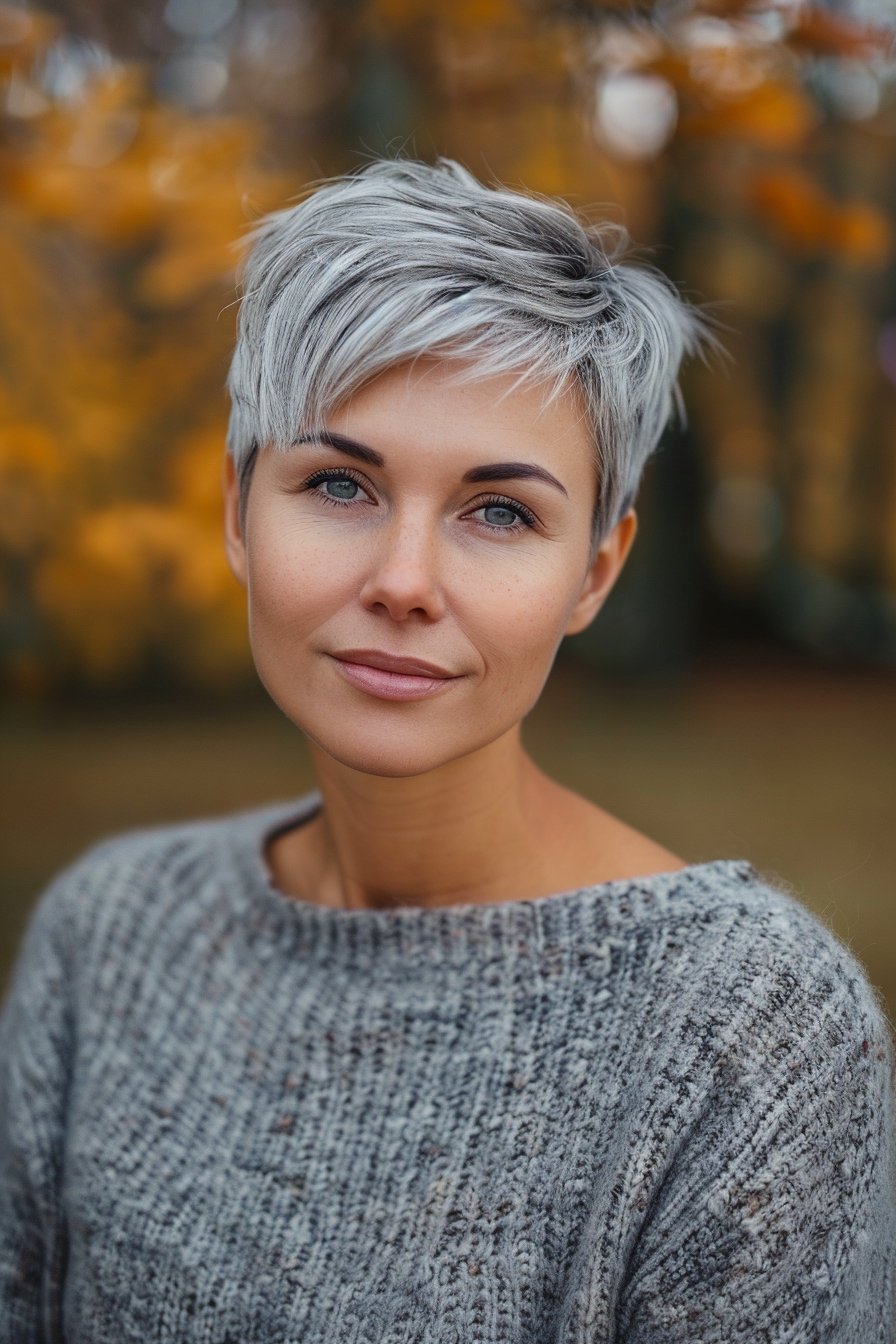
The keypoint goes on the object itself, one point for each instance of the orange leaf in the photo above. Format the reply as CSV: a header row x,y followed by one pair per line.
x,y
773,115
809,220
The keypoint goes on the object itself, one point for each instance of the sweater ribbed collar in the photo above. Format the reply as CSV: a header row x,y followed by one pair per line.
x,y
415,932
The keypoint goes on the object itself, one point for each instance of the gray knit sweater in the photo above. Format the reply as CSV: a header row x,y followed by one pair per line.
x,y
653,1110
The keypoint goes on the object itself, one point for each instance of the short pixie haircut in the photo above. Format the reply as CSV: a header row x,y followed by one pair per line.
x,y
403,259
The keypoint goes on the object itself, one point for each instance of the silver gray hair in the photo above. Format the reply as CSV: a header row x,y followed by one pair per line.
x,y
405,259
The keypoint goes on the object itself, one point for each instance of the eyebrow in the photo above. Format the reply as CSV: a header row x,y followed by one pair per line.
x,y
512,471
491,471
343,444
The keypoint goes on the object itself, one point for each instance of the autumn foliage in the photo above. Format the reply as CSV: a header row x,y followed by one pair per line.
x,y
120,222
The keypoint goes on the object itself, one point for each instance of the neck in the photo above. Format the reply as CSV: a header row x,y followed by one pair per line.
x,y
468,831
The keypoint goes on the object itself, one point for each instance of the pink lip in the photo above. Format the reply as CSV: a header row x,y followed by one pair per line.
x,y
391,677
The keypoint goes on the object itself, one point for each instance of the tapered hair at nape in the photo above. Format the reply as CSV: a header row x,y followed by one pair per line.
x,y
404,259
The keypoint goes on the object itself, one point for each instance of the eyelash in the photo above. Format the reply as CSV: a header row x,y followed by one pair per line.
x,y
526,519
524,516
336,474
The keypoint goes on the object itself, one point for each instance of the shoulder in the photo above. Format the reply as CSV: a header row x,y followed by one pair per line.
x,y
727,976
741,919
748,958
113,895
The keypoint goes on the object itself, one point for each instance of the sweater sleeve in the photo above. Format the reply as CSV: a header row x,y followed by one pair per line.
x,y
776,1220
35,1050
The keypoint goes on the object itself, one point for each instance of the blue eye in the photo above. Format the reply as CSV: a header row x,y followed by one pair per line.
x,y
499,516
504,515
340,487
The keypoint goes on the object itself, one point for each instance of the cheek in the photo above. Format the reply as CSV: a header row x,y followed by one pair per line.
x,y
296,579
516,616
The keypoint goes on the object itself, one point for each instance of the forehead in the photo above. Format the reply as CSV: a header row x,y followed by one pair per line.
x,y
440,411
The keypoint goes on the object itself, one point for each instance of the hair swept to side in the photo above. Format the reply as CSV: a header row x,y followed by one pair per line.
x,y
403,259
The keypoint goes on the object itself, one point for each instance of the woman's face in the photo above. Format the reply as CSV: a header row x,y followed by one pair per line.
x,y
412,572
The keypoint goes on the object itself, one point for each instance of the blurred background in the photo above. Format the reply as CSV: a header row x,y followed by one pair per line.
x,y
737,696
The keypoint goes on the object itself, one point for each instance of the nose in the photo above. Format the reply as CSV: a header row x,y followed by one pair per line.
x,y
403,581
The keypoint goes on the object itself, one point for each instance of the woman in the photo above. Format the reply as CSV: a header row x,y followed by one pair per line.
x,y
350,1068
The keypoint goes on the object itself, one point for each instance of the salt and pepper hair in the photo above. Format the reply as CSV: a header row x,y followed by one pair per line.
x,y
405,259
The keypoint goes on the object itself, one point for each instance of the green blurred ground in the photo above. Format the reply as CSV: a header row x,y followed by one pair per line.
x,y
794,769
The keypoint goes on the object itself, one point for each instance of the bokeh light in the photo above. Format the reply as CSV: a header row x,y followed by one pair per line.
x,y
752,146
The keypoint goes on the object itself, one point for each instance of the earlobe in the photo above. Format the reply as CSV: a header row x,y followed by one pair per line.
x,y
604,571
234,544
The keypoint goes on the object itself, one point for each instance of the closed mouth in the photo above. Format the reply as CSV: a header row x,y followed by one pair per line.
x,y
388,676
390,662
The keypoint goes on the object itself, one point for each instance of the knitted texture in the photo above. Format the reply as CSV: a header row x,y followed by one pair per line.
x,y
647,1112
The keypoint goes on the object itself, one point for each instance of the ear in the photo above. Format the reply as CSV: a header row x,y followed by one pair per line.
x,y
234,543
603,572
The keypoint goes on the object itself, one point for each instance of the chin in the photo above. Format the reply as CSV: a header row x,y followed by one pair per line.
x,y
391,755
